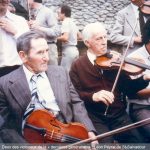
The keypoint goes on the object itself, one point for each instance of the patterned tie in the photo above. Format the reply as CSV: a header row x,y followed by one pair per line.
x,y
38,102
34,96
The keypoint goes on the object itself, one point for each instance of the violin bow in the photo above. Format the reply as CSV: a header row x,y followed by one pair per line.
x,y
110,133
28,7
122,62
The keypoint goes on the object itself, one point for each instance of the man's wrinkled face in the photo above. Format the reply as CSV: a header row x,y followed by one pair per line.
x,y
97,44
37,59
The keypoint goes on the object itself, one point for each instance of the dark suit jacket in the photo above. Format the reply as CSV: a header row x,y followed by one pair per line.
x,y
15,97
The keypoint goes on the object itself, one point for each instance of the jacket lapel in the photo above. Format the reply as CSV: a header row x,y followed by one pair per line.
x,y
19,88
131,19
57,82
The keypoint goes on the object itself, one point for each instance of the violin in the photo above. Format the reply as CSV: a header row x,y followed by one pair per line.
x,y
43,127
143,5
112,60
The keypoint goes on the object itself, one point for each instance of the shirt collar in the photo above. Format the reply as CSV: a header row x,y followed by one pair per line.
x,y
29,74
8,15
91,57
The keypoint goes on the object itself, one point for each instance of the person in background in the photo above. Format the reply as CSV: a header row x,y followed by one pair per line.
x,y
18,94
140,107
20,10
106,109
126,20
11,8
43,19
11,26
70,34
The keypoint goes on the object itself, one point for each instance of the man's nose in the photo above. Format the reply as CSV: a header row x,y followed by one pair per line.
x,y
46,56
104,40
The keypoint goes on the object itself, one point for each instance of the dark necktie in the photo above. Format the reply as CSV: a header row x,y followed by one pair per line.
x,y
141,21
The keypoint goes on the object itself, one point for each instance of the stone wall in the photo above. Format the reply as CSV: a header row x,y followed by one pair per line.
x,y
87,11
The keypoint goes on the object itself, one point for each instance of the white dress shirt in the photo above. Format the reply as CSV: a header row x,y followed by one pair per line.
x,y
91,57
69,26
8,52
45,92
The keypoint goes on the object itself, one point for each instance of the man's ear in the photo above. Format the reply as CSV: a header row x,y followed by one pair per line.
x,y
86,42
23,56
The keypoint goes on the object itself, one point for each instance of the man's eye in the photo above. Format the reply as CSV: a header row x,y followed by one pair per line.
x,y
40,53
99,38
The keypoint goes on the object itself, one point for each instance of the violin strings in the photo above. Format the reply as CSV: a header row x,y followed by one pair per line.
x,y
61,137
62,140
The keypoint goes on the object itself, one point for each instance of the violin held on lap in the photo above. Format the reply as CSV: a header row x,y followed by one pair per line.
x,y
42,127
112,60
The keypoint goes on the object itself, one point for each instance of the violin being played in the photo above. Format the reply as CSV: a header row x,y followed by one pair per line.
x,y
112,60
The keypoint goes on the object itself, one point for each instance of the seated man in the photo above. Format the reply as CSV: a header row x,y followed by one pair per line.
x,y
106,109
52,90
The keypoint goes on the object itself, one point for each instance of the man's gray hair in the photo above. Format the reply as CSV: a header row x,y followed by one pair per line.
x,y
91,29
24,41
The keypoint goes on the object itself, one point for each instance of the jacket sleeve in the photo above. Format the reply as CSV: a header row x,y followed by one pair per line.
x,y
11,136
131,86
7,133
78,107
